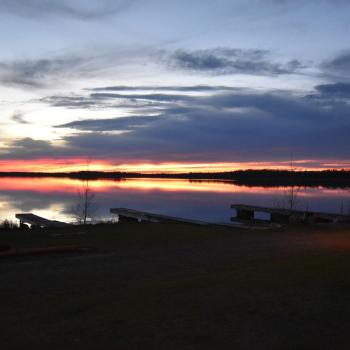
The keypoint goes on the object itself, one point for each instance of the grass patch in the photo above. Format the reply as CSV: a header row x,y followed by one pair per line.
x,y
178,287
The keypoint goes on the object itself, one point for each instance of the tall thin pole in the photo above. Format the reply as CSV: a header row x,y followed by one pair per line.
x,y
86,201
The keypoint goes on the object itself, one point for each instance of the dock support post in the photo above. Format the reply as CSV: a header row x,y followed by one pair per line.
x,y
280,218
245,214
122,218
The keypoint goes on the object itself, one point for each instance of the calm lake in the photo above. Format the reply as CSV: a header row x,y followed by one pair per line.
x,y
54,198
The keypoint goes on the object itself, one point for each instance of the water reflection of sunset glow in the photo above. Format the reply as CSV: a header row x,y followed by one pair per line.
x,y
105,185
66,185
203,200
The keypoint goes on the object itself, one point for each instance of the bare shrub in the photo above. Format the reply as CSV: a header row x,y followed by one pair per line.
x,y
86,207
8,225
289,199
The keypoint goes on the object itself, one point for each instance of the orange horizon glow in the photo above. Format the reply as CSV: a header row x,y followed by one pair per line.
x,y
81,164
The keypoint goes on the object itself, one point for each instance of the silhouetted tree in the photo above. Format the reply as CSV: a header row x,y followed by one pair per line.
x,y
290,197
8,225
86,207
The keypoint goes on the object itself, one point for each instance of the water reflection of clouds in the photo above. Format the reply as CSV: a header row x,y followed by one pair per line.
x,y
205,200
16,201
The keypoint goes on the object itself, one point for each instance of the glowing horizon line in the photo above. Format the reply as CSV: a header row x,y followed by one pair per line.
x,y
48,165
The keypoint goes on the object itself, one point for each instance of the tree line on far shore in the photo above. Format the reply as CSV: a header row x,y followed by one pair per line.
x,y
265,177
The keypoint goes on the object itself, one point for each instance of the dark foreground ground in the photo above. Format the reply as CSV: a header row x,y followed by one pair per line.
x,y
158,286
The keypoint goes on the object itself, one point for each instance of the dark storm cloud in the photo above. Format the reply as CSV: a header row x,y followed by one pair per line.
x,y
78,10
341,90
218,127
31,144
261,132
122,124
339,66
230,61
28,148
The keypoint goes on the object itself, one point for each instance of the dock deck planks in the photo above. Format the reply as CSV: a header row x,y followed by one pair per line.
x,y
138,215
35,220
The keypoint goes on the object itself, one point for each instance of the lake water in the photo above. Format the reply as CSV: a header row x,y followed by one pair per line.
x,y
54,198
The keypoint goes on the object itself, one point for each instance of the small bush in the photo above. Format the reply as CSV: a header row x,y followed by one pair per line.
x,y
8,225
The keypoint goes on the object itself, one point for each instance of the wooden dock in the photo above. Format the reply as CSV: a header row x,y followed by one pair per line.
x,y
247,213
125,214
38,221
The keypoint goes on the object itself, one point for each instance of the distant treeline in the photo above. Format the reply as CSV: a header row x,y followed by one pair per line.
x,y
268,178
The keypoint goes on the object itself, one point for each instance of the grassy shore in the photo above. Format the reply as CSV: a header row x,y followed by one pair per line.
x,y
166,286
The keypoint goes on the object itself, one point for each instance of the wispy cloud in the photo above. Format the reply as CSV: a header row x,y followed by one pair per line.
x,y
18,117
46,72
192,88
36,73
119,124
302,2
85,10
102,101
230,61
81,63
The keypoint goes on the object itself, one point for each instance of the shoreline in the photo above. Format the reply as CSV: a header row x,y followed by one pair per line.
x,y
250,178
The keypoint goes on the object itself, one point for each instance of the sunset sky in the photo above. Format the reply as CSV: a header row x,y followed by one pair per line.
x,y
182,85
